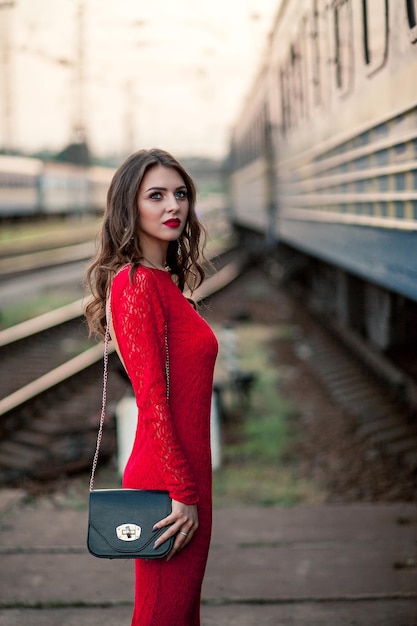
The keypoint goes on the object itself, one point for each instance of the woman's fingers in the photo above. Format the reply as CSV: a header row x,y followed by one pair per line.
x,y
183,522
180,542
182,532
166,521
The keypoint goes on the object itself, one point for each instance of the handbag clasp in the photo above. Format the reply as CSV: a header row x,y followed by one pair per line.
x,y
128,532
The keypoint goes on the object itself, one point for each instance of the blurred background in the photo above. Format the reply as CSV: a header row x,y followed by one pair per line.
x,y
122,75
298,121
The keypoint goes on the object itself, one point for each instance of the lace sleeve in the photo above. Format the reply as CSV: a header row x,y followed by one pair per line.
x,y
139,323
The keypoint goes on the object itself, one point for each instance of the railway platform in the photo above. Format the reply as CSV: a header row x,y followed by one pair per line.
x,y
327,565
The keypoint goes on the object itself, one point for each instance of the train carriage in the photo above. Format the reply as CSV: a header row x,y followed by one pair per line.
x,y
341,100
34,188
19,184
248,158
99,182
64,188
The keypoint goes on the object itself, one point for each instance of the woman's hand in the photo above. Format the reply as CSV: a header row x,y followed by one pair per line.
x,y
184,520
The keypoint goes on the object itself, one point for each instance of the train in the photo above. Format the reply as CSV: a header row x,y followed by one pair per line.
x,y
31,187
322,165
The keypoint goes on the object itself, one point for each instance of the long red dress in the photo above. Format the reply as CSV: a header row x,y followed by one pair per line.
x,y
172,445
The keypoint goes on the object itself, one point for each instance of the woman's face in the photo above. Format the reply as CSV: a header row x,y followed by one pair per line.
x,y
162,204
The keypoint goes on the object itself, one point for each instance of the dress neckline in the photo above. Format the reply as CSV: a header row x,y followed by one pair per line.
x,y
146,267
158,269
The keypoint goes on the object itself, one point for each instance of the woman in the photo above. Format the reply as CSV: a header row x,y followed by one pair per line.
x,y
149,253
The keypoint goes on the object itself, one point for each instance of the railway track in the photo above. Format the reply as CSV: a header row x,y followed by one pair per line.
x,y
48,420
49,373
68,246
17,241
32,250
356,425
384,414
30,262
368,387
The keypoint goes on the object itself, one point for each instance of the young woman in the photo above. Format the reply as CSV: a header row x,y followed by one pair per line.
x,y
149,253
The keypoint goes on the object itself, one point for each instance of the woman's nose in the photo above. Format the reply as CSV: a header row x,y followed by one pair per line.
x,y
174,204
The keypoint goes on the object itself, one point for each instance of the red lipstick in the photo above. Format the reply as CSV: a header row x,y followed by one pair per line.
x,y
173,223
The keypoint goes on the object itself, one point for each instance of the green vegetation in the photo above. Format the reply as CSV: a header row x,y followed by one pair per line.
x,y
20,312
207,174
259,462
42,231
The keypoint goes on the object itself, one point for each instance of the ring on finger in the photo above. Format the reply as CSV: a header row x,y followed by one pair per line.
x,y
183,533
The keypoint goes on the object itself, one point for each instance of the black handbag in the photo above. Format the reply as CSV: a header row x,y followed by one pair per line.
x,y
120,521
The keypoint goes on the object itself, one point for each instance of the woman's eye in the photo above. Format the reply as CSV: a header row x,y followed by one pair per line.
x,y
156,195
181,194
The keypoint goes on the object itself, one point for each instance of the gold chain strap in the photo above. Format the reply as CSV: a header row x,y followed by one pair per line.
x,y
167,359
104,394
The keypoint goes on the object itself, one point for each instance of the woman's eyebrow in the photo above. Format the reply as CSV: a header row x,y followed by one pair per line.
x,y
165,188
157,189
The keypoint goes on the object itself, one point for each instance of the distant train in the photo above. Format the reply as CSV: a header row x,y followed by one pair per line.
x,y
323,160
31,187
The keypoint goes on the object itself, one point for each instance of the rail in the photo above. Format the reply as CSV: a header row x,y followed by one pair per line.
x,y
88,357
10,266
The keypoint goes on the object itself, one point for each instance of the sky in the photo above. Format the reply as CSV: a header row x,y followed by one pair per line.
x,y
166,73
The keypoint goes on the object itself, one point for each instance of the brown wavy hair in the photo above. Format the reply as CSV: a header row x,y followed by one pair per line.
x,y
120,236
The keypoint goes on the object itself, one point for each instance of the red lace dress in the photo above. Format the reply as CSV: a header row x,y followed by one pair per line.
x,y
172,445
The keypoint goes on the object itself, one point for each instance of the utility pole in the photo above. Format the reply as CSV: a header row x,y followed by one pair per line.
x,y
6,74
78,125
129,124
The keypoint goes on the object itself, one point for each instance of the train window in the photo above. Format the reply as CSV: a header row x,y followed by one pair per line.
x,y
364,139
400,153
380,131
399,209
325,51
412,19
383,209
414,173
383,183
399,123
343,44
400,181
315,55
382,157
411,13
365,162
369,185
285,121
362,163
375,34
303,69
296,82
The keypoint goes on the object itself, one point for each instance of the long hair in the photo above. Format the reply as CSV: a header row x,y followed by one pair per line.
x,y
120,235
